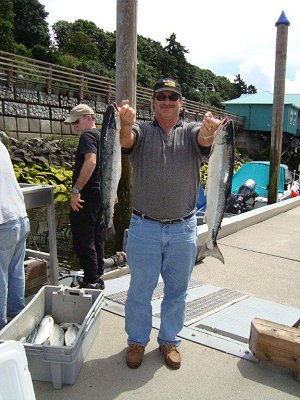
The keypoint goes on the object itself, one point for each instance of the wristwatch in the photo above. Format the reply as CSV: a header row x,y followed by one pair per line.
x,y
75,190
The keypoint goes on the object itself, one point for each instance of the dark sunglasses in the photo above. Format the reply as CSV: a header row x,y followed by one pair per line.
x,y
76,122
171,97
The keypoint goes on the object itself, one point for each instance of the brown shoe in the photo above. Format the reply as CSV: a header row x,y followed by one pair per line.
x,y
134,355
171,355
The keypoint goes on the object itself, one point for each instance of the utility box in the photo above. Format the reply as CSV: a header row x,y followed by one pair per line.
x,y
57,364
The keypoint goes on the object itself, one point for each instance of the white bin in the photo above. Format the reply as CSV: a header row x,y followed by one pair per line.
x,y
15,378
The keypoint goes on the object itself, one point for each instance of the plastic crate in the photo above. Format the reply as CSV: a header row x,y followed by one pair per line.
x,y
57,364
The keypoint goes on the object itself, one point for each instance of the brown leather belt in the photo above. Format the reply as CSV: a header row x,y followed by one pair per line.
x,y
165,220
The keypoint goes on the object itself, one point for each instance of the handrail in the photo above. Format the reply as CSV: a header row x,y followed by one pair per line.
x,y
15,69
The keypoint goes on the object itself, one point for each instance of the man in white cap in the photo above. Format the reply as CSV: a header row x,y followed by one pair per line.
x,y
86,214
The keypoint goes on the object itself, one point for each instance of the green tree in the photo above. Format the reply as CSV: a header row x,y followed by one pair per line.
x,y
153,61
145,74
6,26
224,87
79,45
95,67
30,26
241,87
22,50
178,52
69,61
105,42
82,45
175,49
47,54
61,30
251,89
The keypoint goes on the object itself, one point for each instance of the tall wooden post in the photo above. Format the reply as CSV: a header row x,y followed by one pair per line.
x,y
126,51
126,73
278,106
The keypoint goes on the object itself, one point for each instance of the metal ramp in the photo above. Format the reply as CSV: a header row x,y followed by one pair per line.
x,y
215,317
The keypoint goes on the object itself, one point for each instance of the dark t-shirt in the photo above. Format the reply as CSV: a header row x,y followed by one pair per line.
x,y
89,142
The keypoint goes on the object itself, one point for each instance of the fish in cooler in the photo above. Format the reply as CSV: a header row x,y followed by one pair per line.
x,y
57,336
44,330
48,332
71,334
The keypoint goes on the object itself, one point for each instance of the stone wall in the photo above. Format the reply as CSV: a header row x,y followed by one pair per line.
x,y
30,112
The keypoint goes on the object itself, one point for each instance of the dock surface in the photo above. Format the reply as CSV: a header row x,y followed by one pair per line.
x,y
262,262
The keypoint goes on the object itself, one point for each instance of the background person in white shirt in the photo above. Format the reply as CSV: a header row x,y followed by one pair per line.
x,y
14,229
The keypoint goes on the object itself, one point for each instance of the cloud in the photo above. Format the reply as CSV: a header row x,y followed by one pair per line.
x,y
258,70
293,86
230,77
225,37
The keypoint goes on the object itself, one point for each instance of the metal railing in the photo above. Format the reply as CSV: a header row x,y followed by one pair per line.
x,y
19,70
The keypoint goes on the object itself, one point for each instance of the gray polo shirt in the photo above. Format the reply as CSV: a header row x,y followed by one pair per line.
x,y
165,180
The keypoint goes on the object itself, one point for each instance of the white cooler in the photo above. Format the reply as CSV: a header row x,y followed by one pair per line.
x,y
15,378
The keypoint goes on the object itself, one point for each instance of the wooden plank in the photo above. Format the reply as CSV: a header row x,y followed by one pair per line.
x,y
276,343
35,275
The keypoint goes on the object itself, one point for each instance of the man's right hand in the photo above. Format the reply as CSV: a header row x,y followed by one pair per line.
x,y
127,119
127,114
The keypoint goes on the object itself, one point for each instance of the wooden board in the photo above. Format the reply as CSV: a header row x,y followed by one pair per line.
x,y
35,275
276,343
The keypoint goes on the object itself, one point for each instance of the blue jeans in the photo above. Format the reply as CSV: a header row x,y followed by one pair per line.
x,y
153,249
13,237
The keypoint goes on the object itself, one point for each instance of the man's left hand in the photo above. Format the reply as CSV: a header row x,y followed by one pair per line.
x,y
76,202
208,127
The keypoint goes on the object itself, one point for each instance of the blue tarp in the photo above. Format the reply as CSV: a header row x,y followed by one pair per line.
x,y
259,172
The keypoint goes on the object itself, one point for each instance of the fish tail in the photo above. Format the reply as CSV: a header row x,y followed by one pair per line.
x,y
111,231
214,252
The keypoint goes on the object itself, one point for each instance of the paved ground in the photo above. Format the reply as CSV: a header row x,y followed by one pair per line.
x,y
262,260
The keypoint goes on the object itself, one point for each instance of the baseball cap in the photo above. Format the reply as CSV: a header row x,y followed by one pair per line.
x,y
167,84
77,111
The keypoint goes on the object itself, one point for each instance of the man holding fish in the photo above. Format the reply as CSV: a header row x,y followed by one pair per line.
x,y
162,239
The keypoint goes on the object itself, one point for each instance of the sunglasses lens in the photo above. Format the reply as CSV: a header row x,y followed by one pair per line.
x,y
174,97
171,97
160,97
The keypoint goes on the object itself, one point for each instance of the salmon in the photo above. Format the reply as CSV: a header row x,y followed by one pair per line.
x,y
44,330
218,187
71,334
110,163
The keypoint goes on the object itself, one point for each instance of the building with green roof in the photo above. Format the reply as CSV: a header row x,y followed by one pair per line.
x,y
257,112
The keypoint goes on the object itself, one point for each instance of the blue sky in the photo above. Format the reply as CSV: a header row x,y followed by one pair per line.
x,y
229,38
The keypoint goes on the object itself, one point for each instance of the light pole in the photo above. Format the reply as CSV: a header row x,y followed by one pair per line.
x,y
205,87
